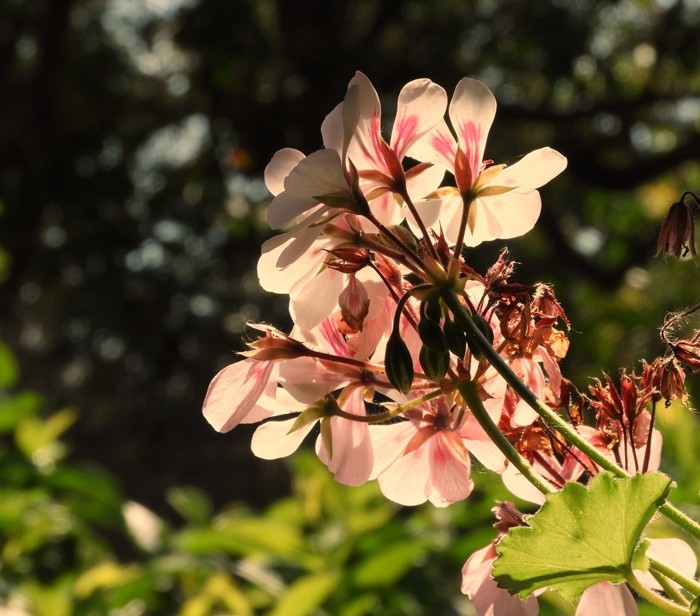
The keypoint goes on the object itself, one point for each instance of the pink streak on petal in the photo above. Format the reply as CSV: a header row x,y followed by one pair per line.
x,y
234,391
469,136
444,144
405,128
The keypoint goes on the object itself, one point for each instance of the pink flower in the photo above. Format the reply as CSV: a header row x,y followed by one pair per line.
x,y
489,599
235,393
504,199
421,105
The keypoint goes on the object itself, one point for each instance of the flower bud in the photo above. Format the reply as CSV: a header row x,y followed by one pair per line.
x,y
354,304
398,363
431,335
456,338
434,363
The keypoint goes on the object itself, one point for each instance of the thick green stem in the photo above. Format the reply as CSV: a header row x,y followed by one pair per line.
x,y
469,392
692,586
553,420
669,607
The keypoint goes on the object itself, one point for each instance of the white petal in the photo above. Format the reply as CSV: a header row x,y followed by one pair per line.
x,y
280,167
532,171
273,440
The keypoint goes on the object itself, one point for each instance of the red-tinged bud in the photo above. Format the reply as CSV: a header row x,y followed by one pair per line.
x,y
354,304
677,235
687,352
463,173
388,270
394,167
348,260
270,348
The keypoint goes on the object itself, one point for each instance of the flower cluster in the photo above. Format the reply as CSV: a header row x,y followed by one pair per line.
x,y
404,360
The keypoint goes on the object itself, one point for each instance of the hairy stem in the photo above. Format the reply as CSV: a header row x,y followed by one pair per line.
x,y
469,392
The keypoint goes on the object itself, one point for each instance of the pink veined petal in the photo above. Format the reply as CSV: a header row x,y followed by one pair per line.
x,y
516,483
490,600
449,471
481,446
272,440
477,569
288,258
364,149
280,167
421,106
605,599
532,171
352,456
320,173
387,209
406,481
313,299
472,110
234,392
389,442
307,380
438,146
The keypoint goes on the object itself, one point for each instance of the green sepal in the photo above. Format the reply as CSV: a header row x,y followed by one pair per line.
x,y
322,408
327,436
695,607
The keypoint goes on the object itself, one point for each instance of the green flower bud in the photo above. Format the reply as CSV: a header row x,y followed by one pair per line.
x,y
456,338
398,363
434,363
431,335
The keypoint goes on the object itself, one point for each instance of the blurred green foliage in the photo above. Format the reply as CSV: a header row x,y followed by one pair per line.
x,y
71,545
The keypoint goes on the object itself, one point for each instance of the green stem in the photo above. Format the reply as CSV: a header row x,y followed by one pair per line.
x,y
691,586
377,417
670,589
669,607
469,392
553,420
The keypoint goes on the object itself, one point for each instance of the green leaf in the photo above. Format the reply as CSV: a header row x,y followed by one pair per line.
x,y
18,406
306,594
695,607
191,503
9,369
581,536
389,566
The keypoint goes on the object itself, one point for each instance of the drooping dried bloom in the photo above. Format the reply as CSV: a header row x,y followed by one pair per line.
x,y
677,235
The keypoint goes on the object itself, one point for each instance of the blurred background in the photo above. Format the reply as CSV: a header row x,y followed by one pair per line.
x,y
133,137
